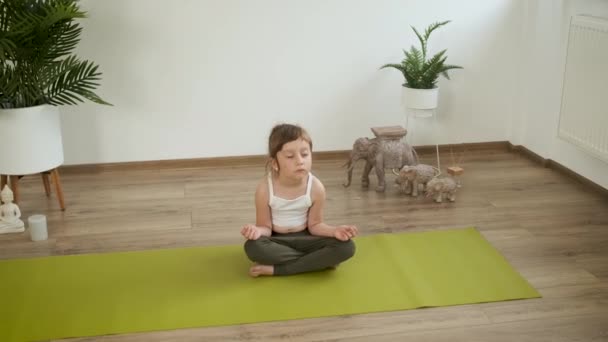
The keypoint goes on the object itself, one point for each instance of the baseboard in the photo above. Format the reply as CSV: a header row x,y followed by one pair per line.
x,y
164,164
552,164
479,146
529,154
257,159
188,163
422,150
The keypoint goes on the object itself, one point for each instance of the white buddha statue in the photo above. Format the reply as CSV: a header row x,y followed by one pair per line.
x,y
9,213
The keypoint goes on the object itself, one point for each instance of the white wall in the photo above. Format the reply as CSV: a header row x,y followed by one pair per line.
x,y
192,78
546,26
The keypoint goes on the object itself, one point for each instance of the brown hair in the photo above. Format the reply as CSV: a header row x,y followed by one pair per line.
x,y
282,134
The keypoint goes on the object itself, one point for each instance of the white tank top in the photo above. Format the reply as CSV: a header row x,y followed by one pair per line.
x,y
289,213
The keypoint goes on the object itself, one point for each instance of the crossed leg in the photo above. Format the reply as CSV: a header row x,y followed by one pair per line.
x,y
287,254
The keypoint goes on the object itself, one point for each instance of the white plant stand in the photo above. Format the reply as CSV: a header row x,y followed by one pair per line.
x,y
421,104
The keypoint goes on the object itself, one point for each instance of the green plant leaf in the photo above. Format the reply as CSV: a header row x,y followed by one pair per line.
x,y
37,64
418,71
72,80
422,42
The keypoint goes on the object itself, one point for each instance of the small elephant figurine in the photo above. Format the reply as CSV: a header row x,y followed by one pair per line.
x,y
411,176
366,149
380,155
442,187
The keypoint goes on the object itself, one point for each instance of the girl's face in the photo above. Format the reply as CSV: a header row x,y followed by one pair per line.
x,y
295,159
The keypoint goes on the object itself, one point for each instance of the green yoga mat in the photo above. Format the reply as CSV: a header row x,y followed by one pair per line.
x,y
98,294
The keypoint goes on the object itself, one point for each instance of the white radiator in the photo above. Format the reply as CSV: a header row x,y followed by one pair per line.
x,y
584,110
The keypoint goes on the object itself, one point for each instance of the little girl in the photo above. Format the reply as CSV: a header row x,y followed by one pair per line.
x,y
289,235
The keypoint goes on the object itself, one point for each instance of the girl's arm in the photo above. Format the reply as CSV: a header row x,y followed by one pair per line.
x,y
316,226
263,219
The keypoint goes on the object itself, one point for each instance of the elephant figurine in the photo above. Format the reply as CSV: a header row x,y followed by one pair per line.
x,y
380,154
442,187
410,177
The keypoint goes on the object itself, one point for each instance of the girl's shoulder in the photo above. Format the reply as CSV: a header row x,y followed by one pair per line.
x,y
315,180
262,187
317,187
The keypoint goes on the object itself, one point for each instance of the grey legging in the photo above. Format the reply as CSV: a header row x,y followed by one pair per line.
x,y
298,252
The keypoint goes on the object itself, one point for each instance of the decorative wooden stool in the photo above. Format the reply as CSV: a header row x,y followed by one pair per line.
x,y
455,170
389,132
392,152
391,149
54,173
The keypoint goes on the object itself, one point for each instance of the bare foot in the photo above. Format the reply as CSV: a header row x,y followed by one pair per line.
x,y
258,270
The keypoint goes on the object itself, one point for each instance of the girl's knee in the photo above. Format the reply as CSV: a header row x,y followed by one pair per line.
x,y
346,249
255,249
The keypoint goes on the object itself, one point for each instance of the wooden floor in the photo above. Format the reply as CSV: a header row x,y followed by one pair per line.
x,y
553,230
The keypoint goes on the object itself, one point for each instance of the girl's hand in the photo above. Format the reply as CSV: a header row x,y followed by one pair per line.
x,y
251,232
345,232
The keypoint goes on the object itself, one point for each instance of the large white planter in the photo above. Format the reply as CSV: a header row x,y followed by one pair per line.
x,y
30,140
422,101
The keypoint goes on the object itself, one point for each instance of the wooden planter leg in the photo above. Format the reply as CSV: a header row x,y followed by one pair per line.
x,y
58,189
47,184
3,181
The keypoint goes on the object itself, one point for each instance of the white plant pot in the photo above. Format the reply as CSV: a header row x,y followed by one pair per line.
x,y
30,140
425,99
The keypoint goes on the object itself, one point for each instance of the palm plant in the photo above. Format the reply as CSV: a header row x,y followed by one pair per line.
x,y
420,73
37,66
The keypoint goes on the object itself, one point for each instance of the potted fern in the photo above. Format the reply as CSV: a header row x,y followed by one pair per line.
x,y
39,72
420,89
